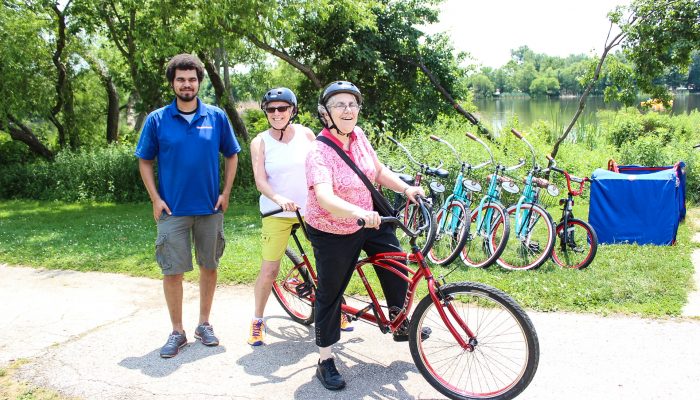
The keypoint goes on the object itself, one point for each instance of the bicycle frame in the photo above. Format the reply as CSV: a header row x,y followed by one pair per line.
x,y
391,261
567,211
530,193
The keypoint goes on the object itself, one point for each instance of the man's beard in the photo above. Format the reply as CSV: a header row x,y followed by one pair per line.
x,y
189,96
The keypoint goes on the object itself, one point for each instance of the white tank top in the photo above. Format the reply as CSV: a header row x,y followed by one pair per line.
x,y
285,166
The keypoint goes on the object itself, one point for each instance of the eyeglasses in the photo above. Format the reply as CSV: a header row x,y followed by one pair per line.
x,y
354,107
281,109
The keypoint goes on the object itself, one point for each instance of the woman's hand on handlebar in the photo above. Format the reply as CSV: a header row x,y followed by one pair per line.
x,y
285,203
371,218
412,191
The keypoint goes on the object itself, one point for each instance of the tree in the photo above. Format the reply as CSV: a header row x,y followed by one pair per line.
x,y
26,86
655,34
481,85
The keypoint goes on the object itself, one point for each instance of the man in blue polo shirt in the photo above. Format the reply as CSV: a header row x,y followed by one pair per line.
x,y
186,137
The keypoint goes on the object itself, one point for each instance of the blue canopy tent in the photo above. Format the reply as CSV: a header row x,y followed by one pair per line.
x,y
638,204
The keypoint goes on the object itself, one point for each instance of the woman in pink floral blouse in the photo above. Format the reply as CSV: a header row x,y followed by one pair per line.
x,y
337,198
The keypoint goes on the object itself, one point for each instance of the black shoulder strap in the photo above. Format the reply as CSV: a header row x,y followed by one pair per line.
x,y
380,203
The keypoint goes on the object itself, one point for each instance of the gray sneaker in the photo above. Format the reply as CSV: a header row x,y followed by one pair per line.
x,y
175,342
205,333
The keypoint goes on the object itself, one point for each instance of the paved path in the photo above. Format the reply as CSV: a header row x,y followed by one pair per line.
x,y
97,336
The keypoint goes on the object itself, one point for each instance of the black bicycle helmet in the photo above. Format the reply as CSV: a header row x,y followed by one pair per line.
x,y
340,87
284,95
280,94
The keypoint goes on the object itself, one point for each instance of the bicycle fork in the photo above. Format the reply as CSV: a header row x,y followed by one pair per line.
x,y
445,302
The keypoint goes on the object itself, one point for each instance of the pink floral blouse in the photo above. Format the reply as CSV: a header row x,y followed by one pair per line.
x,y
324,165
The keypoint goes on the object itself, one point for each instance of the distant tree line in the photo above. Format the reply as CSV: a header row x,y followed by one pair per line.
x,y
538,74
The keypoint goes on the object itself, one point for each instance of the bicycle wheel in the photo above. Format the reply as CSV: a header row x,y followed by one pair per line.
x,y
452,227
294,288
411,216
487,239
502,357
529,245
576,246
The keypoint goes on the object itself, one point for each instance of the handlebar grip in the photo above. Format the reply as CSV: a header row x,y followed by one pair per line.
x,y
516,133
272,212
471,136
435,138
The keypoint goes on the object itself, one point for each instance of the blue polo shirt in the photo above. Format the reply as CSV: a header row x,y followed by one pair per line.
x,y
188,155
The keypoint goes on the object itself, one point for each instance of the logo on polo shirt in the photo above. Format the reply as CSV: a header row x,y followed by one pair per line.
x,y
205,127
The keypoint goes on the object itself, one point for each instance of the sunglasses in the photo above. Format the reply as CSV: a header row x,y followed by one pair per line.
x,y
281,109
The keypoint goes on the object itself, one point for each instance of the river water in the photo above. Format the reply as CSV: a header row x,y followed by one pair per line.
x,y
497,112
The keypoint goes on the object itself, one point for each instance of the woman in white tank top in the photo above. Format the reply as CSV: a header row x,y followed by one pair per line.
x,y
278,155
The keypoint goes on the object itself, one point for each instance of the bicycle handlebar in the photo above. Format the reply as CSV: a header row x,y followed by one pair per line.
x,y
396,221
476,139
392,169
410,157
532,150
277,211
516,166
569,178
443,141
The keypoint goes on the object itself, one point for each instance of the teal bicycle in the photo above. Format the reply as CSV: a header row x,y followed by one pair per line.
x,y
532,227
477,236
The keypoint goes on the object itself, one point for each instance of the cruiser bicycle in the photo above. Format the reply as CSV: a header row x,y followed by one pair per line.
x,y
468,340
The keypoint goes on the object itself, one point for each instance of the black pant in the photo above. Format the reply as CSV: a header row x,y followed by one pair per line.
x,y
336,256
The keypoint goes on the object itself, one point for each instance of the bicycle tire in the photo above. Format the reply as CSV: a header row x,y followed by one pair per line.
x,y
569,252
505,352
411,216
293,272
485,245
532,247
448,243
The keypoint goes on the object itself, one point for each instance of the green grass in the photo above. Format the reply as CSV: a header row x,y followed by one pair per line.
x,y
651,281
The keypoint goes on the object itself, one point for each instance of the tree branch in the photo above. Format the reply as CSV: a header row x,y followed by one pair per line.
x,y
609,45
447,96
306,70
24,134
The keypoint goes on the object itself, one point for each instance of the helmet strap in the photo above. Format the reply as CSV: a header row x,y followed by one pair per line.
x,y
284,128
334,126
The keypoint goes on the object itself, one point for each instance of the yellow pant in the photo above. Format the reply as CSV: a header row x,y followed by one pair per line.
x,y
275,236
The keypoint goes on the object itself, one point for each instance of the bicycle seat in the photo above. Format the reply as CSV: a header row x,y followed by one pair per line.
x,y
539,182
406,178
438,172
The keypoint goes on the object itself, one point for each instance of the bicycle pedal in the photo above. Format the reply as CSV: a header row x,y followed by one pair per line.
x,y
304,289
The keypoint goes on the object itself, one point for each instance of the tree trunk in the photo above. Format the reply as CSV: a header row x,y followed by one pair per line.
x,y
112,97
61,74
609,45
227,102
22,133
447,96
69,116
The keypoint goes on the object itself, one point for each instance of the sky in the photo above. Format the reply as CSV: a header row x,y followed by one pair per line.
x,y
489,29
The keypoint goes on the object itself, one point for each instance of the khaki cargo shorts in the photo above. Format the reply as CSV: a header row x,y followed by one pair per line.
x,y
174,242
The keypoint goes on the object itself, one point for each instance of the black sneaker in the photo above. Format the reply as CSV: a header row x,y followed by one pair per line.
x,y
175,342
205,333
328,374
